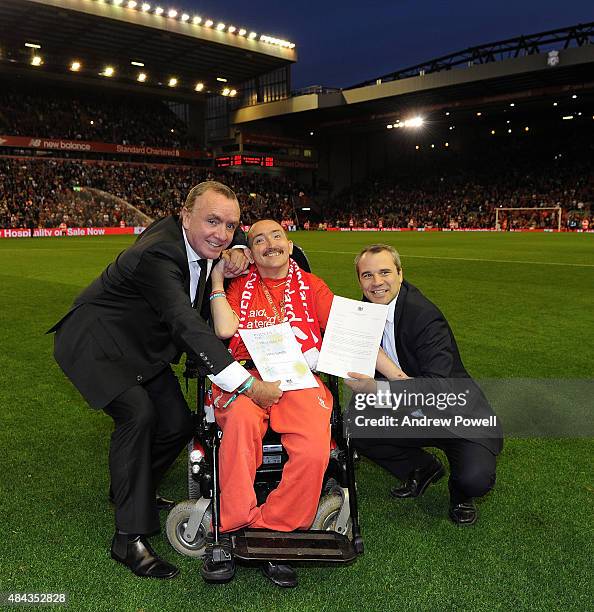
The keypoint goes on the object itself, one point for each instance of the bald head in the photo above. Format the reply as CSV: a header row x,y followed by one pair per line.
x,y
270,248
262,227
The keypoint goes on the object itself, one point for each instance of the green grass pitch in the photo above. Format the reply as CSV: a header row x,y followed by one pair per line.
x,y
521,305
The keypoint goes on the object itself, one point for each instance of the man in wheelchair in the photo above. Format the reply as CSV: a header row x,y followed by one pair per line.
x,y
275,289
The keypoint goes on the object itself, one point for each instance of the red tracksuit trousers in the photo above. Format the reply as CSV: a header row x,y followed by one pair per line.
x,y
302,418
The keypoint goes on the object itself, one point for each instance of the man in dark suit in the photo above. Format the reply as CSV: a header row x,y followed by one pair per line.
x,y
117,342
420,343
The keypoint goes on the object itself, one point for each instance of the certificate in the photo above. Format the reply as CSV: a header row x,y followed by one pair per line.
x,y
277,355
352,337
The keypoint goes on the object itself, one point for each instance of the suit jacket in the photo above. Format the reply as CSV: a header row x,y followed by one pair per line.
x,y
136,318
426,348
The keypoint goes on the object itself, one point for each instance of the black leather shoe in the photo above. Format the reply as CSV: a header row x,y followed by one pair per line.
x,y
162,503
418,480
136,554
282,575
464,513
218,566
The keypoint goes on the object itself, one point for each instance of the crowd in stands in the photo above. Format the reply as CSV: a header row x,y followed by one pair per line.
x,y
466,196
455,194
49,192
46,193
120,119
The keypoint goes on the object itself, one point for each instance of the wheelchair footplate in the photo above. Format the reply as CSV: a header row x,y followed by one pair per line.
x,y
302,545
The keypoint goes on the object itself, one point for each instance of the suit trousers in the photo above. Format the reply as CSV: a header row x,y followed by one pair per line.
x,y
152,425
472,465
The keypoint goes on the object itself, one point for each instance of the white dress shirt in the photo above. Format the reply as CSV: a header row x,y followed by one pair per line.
x,y
389,339
389,346
233,375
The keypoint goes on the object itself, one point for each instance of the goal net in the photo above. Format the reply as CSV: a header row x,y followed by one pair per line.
x,y
509,219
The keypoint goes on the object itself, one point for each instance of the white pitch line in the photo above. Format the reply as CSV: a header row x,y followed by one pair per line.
x,y
511,261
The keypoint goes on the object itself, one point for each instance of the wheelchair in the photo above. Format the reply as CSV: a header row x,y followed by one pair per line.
x,y
334,536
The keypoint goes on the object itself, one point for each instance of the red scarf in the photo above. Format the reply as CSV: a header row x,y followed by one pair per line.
x,y
300,311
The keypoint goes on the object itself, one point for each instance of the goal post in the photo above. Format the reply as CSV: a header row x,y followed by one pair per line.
x,y
499,216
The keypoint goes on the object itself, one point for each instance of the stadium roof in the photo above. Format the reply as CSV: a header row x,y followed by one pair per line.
x,y
118,32
529,77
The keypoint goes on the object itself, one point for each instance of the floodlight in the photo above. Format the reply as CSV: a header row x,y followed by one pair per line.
x,y
75,66
196,20
199,87
574,96
208,23
139,64
221,26
242,32
118,2
291,45
158,11
252,35
233,93
145,7
389,126
231,29
108,71
172,13
32,45
222,79
132,4
414,122
185,17
172,82
141,78
226,91
36,60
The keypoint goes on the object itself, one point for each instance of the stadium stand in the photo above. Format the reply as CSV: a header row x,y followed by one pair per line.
x,y
111,117
462,190
44,192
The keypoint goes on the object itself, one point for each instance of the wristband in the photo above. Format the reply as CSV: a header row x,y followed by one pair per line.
x,y
244,387
216,294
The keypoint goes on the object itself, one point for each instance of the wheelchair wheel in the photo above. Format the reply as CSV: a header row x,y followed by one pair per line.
x,y
177,522
327,514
